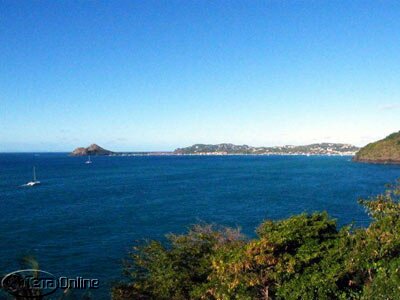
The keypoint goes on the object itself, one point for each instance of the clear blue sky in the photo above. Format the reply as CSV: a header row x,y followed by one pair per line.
x,y
155,75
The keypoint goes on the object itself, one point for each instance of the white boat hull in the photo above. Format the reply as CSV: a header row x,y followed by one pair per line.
x,y
32,183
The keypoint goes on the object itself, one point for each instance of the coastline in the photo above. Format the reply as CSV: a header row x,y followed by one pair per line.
x,y
328,149
377,161
226,154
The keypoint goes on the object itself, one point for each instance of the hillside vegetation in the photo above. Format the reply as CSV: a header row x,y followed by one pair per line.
x,y
303,257
383,151
313,149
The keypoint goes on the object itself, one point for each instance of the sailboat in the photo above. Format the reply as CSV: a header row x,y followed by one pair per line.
x,y
34,182
88,161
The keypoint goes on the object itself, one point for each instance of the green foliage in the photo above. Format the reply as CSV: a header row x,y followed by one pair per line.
x,y
177,271
303,257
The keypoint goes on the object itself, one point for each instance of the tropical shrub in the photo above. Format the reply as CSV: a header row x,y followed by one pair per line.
x,y
303,257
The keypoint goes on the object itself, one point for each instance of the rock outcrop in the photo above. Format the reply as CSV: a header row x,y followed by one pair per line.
x,y
91,150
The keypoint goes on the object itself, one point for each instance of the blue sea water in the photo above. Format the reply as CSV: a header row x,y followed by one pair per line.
x,y
83,219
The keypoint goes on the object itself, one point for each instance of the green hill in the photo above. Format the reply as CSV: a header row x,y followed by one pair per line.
x,y
383,151
224,149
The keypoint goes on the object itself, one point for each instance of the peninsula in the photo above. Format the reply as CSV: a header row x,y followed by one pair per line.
x,y
229,149
385,151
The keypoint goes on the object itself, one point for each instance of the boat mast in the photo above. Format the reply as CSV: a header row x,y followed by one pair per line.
x,y
34,174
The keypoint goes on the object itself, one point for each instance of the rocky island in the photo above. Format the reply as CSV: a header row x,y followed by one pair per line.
x,y
91,150
385,151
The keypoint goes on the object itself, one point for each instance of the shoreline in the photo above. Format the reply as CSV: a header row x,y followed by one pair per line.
x,y
219,154
377,161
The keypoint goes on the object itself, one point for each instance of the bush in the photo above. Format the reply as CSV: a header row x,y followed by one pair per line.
x,y
303,257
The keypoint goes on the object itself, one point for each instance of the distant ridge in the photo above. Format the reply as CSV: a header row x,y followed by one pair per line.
x,y
385,151
93,149
226,149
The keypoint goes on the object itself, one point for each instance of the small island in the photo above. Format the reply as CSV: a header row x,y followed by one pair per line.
x,y
93,149
386,151
96,150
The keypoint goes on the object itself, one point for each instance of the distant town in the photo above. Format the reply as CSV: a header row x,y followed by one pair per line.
x,y
231,149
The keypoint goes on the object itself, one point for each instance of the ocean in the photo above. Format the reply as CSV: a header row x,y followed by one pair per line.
x,y
84,218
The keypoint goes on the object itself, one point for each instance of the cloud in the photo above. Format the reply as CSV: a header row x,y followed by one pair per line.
x,y
389,106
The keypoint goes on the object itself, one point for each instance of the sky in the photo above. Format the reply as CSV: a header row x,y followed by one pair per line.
x,y
157,75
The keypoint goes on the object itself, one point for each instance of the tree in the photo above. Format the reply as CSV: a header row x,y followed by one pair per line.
x,y
302,257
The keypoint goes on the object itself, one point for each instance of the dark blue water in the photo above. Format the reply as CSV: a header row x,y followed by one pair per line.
x,y
83,219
